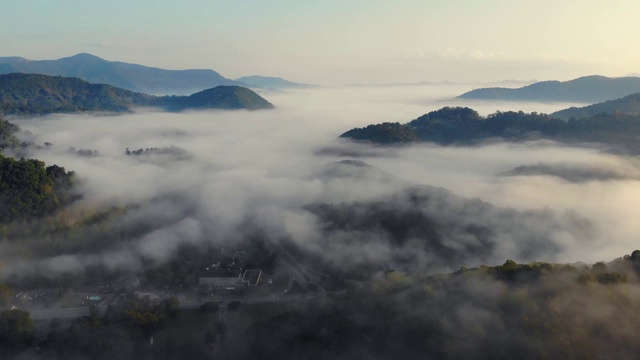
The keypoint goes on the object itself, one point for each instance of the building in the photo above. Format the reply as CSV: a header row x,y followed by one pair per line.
x,y
252,277
221,278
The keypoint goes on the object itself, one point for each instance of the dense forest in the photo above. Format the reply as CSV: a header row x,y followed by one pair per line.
x,y
29,189
7,134
629,105
34,94
464,126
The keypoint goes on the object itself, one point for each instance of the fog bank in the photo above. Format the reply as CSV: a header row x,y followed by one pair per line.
x,y
239,171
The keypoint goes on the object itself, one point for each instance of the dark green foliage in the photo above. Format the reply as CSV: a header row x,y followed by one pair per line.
x,y
463,126
611,278
385,133
629,105
220,97
28,189
7,134
16,331
172,150
34,94
460,126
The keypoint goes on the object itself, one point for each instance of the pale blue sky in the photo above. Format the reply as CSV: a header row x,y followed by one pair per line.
x,y
338,42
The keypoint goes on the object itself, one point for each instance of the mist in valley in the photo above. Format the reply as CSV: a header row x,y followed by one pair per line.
x,y
412,237
231,174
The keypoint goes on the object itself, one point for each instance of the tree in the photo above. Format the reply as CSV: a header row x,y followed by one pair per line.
x,y
16,329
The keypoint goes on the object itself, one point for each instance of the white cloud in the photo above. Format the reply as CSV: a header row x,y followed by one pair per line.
x,y
261,168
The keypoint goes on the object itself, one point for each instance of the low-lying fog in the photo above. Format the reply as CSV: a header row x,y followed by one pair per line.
x,y
266,165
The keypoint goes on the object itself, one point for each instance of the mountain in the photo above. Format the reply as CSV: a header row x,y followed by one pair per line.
x,y
34,94
132,77
271,83
220,97
588,89
464,126
507,82
627,105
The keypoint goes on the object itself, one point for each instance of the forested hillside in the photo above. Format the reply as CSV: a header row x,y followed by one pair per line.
x,y
33,94
629,105
29,189
7,134
464,126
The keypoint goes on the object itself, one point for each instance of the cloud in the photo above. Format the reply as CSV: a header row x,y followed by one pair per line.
x,y
258,172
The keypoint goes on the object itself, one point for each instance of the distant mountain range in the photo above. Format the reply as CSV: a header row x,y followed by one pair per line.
x,y
629,105
588,89
271,83
134,77
445,83
127,76
35,94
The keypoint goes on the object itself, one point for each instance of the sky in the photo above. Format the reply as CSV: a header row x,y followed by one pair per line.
x,y
338,42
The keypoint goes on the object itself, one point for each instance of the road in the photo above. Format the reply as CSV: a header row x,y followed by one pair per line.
x,y
297,273
61,313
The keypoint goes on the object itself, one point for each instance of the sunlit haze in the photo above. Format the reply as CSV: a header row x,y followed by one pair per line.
x,y
338,42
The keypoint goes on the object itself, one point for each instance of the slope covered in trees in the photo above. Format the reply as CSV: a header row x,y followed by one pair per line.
x,y
29,189
464,126
221,97
628,105
29,94
32,94
7,134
